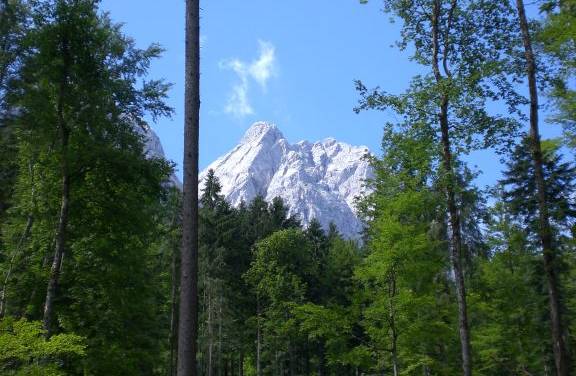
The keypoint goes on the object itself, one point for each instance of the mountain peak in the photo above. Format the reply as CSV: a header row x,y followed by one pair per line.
x,y
316,180
261,130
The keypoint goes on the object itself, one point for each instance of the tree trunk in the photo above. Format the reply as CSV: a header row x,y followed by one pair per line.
x,y
25,234
210,331
188,318
174,315
456,260
65,196
561,359
241,364
453,212
258,340
392,321
321,360
60,238
220,360
291,368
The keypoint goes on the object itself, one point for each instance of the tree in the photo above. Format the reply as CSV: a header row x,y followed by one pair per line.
x,y
188,317
545,230
282,264
521,197
402,279
14,27
26,352
90,87
460,44
509,299
557,36
520,191
114,192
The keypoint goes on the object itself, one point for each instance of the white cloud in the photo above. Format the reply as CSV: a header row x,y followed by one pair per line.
x,y
262,69
259,71
237,104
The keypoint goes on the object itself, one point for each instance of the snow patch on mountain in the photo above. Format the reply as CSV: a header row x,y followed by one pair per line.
x,y
316,180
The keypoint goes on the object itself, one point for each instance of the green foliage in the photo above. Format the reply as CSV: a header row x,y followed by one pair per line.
x,y
280,267
470,48
510,302
274,295
557,35
409,313
26,351
84,75
520,190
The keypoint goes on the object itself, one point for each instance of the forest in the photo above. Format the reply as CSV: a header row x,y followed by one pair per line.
x,y
106,268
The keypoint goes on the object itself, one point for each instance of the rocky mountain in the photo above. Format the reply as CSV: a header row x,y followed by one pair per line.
x,y
153,148
316,180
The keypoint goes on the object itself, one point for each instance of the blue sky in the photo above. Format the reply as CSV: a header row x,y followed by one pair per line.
x,y
292,63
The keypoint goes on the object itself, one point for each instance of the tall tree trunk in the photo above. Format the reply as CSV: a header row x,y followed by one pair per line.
x,y
220,361
210,332
61,230
291,361
241,364
321,360
561,359
392,321
60,238
174,315
453,212
188,318
258,339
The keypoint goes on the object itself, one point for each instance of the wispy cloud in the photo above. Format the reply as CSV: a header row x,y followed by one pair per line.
x,y
259,71
237,104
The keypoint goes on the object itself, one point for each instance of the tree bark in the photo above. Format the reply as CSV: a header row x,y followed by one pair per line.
x,y
321,360
241,364
392,322
25,234
561,358
174,315
210,333
60,239
188,318
61,231
258,340
453,212
220,361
